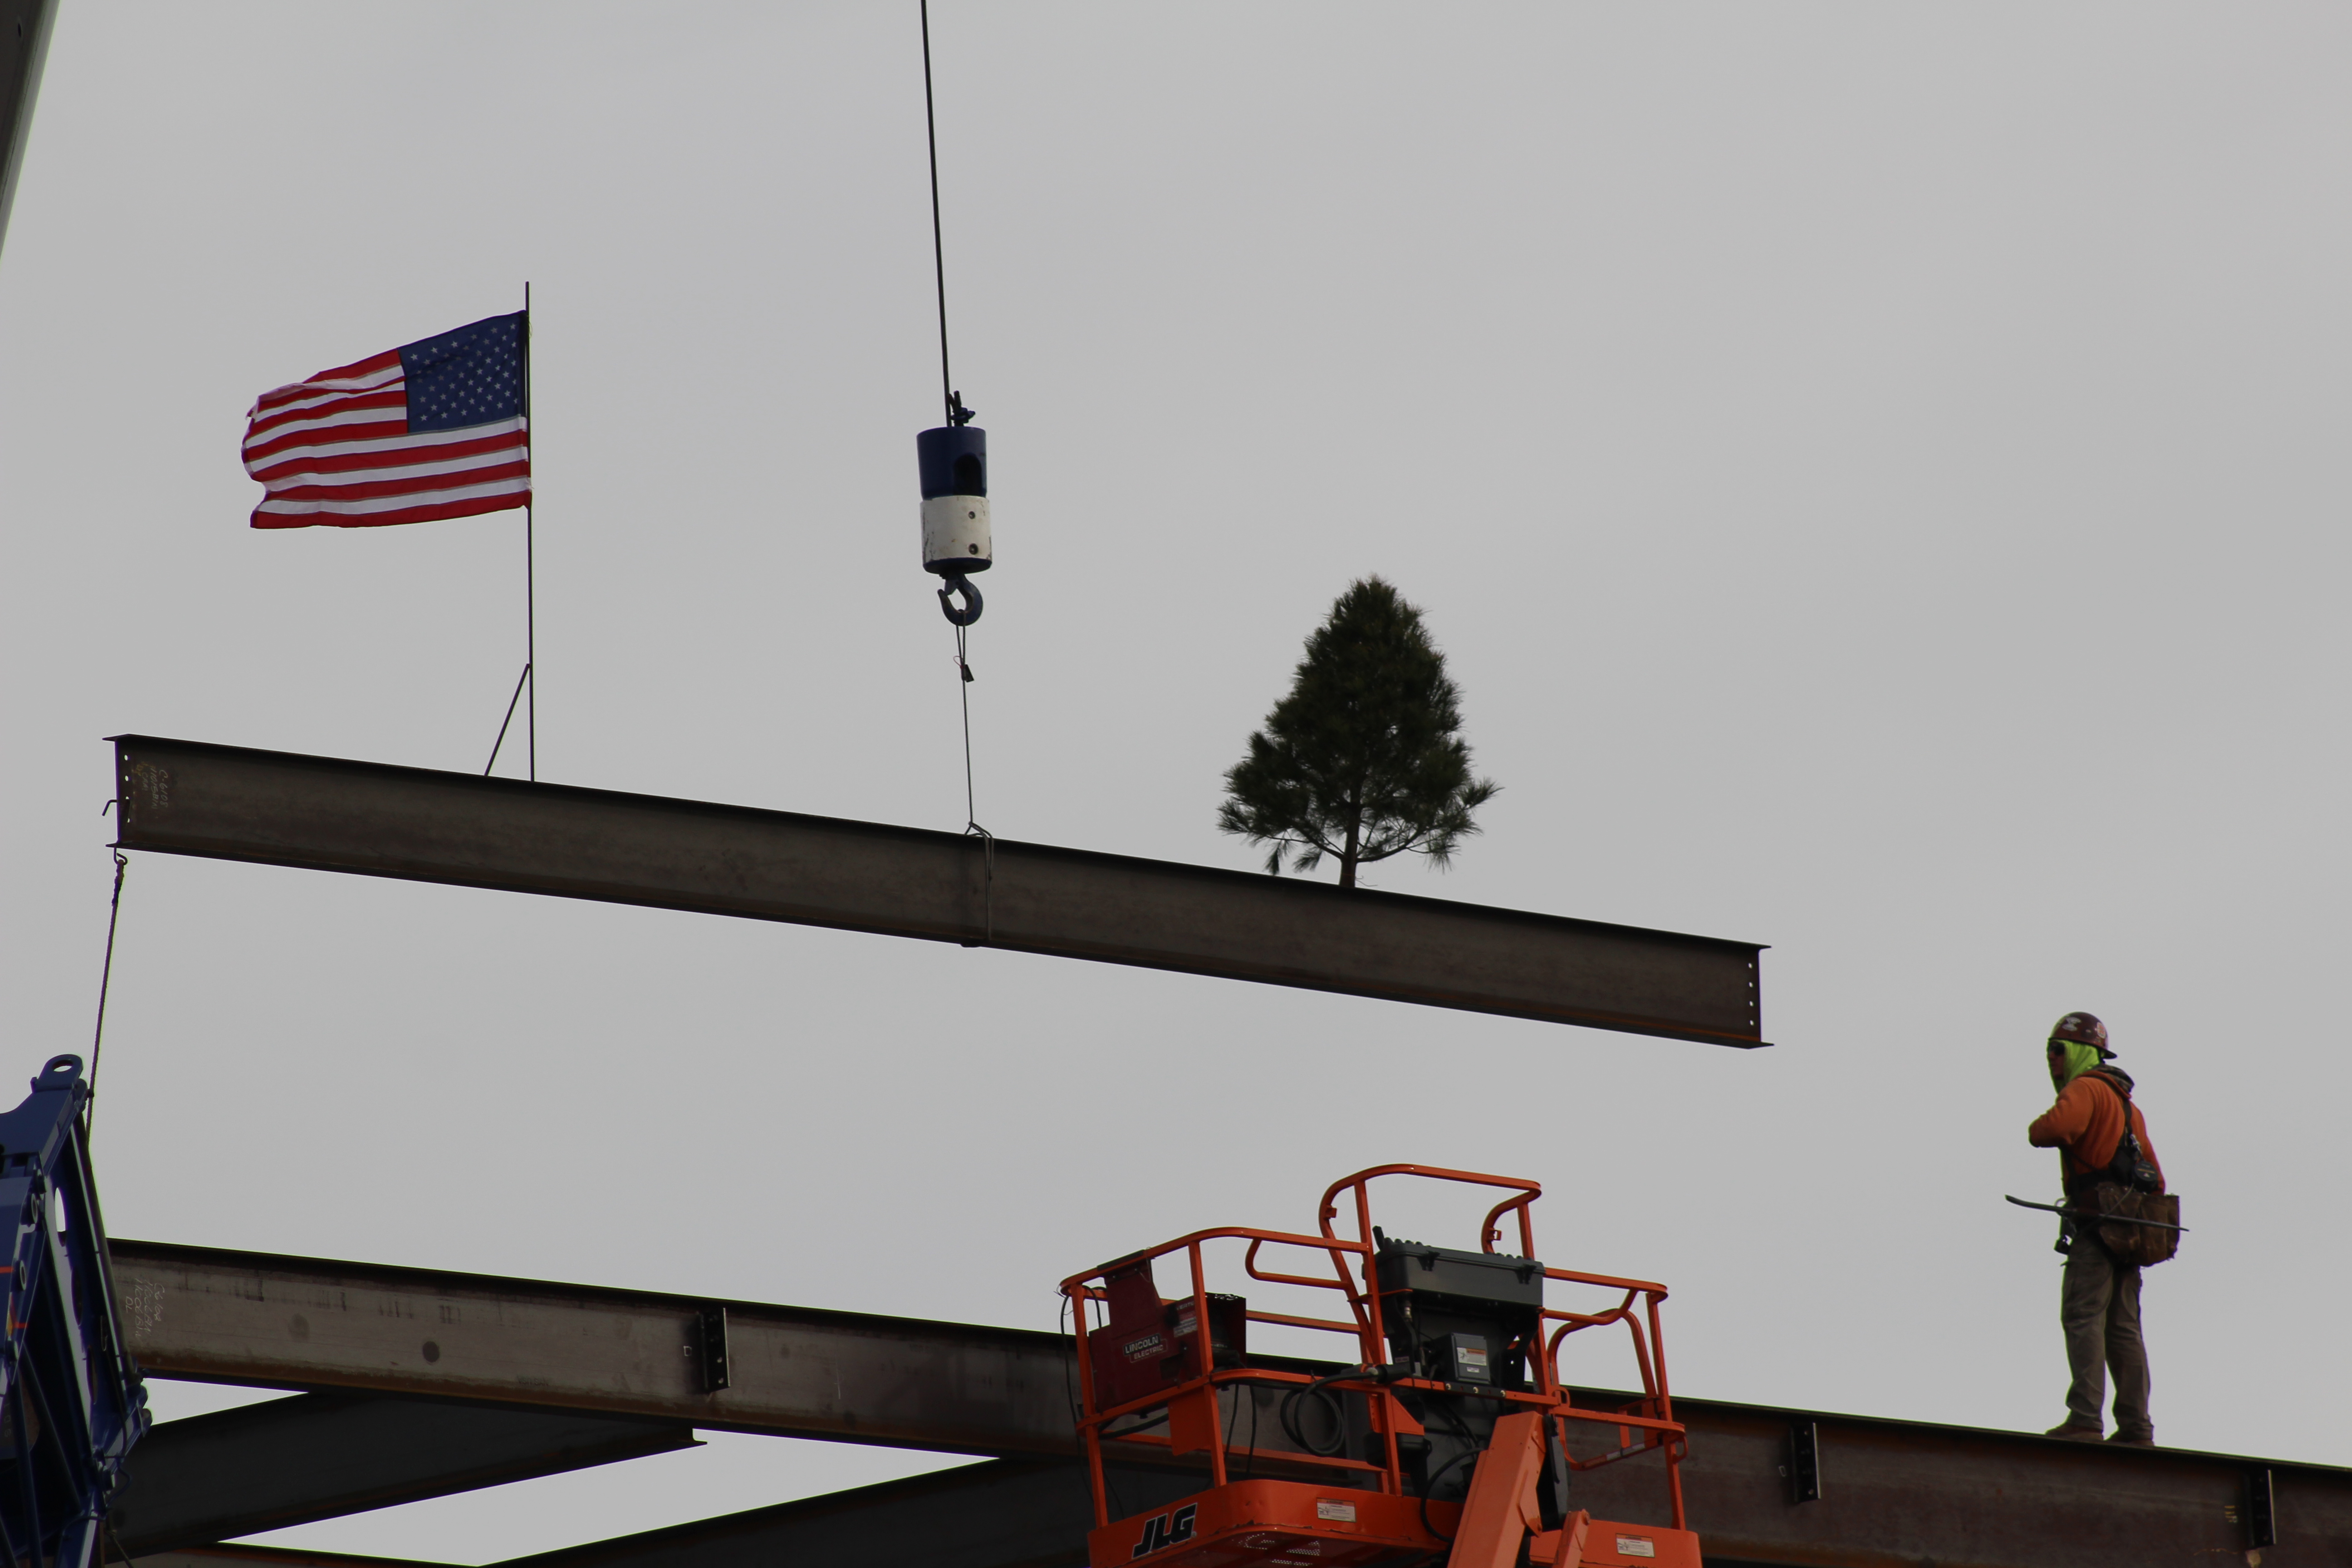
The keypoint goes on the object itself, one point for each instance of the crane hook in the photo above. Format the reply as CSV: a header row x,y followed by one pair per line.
x,y
957,584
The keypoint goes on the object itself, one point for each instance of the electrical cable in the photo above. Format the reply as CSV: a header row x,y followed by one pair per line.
x,y
1469,1451
1431,1480
1319,1392
1243,1391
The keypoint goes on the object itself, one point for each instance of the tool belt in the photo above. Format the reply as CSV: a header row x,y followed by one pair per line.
x,y
2134,1245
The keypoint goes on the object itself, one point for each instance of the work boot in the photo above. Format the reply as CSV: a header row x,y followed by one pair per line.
x,y
2074,1431
2141,1439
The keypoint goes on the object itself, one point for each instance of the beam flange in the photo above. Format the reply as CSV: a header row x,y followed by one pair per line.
x,y
321,1455
184,798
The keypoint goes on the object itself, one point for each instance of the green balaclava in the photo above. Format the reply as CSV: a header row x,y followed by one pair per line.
x,y
2080,1057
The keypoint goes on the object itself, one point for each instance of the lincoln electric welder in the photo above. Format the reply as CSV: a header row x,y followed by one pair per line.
x,y
1449,1438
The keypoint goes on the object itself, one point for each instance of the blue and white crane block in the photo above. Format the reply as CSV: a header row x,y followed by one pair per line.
x,y
70,1401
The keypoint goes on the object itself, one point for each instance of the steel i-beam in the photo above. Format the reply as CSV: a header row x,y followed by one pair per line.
x,y
183,797
305,1324
1861,1494
321,1455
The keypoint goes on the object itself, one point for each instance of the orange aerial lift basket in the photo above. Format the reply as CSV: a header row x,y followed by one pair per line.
x,y
1449,1438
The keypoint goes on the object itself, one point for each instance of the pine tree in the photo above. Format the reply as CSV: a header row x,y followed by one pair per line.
x,y
1361,761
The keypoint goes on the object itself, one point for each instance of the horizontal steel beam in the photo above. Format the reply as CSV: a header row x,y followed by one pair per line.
x,y
305,1324
321,1455
1891,1493
1903,1496
991,1515
1013,1513
1896,1494
1893,1504
183,797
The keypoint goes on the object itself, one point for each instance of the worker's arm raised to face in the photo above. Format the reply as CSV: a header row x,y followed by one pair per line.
x,y
2066,1121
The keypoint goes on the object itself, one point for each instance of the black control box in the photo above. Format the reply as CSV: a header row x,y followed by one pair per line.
x,y
1469,1318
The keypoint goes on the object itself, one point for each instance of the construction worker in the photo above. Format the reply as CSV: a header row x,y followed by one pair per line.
x,y
2100,1300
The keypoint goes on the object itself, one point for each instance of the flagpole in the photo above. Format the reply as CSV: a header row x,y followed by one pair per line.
x,y
529,581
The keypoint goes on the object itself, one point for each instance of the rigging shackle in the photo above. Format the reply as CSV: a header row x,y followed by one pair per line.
x,y
957,583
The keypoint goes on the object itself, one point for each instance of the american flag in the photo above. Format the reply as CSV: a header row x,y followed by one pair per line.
x,y
415,434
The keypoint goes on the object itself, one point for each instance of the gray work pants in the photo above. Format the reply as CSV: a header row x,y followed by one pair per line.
x,y
2100,1309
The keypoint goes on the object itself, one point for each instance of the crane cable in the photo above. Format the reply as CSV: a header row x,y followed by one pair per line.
x,y
105,978
957,414
950,399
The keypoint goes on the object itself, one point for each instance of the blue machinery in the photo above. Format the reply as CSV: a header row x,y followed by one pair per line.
x,y
70,1401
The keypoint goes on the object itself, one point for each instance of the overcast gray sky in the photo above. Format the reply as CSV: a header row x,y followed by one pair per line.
x,y
1877,472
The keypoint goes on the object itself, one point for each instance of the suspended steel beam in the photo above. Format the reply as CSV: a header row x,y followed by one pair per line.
x,y
24,46
1888,1492
321,1455
183,797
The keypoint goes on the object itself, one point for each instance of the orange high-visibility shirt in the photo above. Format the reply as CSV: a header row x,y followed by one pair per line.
x,y
2086,1123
